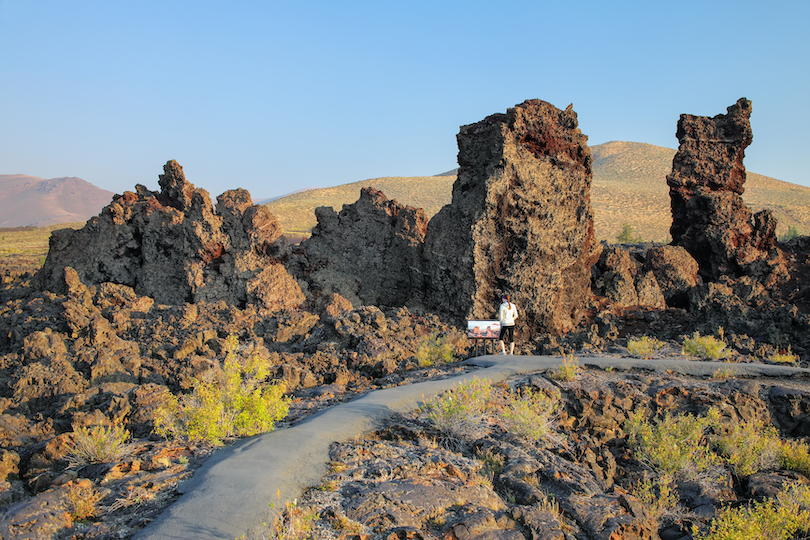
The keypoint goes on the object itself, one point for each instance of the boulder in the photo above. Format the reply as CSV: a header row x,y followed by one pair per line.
x,y
369,252
520,221
709,217
173,246
675,271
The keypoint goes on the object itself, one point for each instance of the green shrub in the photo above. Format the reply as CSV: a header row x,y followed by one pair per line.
x,y
673,445
627,236
97,444
657,495
794,456
459,413
82,500
778,519
644,347
233,404
705,347
530,415
786,357
568,371
434,349
750,447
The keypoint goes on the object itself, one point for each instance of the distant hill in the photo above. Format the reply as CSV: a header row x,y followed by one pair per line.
x,y
31,201
629,186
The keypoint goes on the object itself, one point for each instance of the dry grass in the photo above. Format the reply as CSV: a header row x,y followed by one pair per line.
x,y
629,186
23,249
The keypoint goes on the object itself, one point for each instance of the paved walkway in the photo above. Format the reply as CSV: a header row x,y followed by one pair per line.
x,y
229,494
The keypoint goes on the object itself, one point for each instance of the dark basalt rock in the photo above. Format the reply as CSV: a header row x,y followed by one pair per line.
x,y
520,221
174,247
369,252
709,217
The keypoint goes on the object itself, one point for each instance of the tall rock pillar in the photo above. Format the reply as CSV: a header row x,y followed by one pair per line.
x,y
709,217
520,221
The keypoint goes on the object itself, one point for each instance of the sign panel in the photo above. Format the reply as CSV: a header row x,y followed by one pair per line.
x,y
483,329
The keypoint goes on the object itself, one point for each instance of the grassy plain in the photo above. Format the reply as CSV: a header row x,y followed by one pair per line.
x,y
25,248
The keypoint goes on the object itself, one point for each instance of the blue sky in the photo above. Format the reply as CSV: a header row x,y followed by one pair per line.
x,y
277,96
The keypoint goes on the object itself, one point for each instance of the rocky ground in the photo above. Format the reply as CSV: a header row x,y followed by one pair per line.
x,y
105,355
405,481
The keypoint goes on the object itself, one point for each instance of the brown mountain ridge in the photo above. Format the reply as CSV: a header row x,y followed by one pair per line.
x,y
32,201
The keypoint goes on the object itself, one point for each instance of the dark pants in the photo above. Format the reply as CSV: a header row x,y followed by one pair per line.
x,y
507,333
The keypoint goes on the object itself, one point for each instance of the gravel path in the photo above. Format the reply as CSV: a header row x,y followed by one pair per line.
x,y
228,496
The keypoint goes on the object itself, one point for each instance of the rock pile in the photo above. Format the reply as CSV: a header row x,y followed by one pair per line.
x,y
520,221
709,217
174,247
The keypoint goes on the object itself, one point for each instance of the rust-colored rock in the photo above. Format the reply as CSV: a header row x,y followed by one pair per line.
x,y
709,217
174,247
520,221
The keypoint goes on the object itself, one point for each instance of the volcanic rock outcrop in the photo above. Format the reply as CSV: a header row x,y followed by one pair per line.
x,y
520,221
706,184
174,247
369,252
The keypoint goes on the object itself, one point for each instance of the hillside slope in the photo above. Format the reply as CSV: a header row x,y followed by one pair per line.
x,y
29,200
629,186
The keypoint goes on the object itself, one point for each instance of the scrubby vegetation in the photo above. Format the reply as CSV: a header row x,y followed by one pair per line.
x,y
644,347
234,403
705,347
97,444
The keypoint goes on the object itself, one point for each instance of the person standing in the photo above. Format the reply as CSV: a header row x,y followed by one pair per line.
x,y
507,315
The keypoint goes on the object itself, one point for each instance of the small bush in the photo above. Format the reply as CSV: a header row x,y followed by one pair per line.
x,y
82,500
644,347
628,236
231,405
292,522
723,373
794,456
459,413
673,445
750,447
786,357
705,347
530,416
778,519
97,444
657,495
434,349
568,371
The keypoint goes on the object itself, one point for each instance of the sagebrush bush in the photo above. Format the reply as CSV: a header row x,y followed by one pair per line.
x,y
97,444
644,347
705,347
749,447
530,416
674,444
794,456
459,413
657,495
234,404
770,519
434,349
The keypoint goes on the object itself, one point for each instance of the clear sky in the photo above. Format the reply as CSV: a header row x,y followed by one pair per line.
x,y
279,95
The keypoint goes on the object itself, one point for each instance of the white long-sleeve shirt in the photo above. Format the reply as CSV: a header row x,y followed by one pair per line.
x,y
507,314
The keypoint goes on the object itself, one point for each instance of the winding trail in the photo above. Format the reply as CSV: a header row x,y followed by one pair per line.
x,y
228,496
